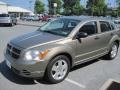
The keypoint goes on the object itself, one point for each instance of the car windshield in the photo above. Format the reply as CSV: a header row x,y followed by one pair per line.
x,y
59,26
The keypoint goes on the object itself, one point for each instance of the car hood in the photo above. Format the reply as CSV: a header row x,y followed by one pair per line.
x,y
34,38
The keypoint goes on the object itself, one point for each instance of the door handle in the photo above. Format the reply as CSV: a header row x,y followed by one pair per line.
x,y
96,38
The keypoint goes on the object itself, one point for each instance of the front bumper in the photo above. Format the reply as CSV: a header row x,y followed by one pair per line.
x,y
5,21
26,69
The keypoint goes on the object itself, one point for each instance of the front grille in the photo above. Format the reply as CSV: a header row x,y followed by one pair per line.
x,y
13,51
16,50
26,72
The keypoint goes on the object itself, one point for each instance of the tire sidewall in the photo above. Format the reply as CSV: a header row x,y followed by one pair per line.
x,y
11,24
111,50
50,65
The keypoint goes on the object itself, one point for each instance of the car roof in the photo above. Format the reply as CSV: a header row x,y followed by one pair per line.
x,y
85,18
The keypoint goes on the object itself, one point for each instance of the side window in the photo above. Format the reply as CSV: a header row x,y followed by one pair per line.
x,y
112,26
72,24
105,26
90,28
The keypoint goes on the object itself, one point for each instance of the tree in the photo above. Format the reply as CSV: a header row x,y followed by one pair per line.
x,y
68,6
39,7
72,7
97,7
51,6
118,2
101,7
118,9
114,13
77,8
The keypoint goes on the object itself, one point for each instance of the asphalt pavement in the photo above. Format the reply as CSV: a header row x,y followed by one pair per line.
x,y
88,76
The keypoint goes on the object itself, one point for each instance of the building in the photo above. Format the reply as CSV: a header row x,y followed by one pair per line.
x,y
18,11
3,7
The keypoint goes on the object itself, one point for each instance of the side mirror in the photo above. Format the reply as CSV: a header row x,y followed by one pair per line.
x,y
81,35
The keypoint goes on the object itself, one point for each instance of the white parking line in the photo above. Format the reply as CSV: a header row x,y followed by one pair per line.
x,y
36,82
75,83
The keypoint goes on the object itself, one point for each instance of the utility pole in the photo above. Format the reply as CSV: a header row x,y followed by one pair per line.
x,y
30,3
55,6
50,6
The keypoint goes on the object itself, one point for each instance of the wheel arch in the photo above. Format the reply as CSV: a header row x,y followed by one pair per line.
x,y
65,54
114,39
118,42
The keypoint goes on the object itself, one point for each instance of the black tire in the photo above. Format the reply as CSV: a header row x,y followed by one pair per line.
x,y
48,74
11,24
15,23
109,55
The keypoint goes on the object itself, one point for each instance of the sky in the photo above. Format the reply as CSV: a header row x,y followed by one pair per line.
x,y
26,3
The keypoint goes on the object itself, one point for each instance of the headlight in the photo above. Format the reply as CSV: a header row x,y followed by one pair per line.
x,y
35,55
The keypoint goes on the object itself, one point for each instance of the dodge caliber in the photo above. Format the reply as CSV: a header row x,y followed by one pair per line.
x,y
52,50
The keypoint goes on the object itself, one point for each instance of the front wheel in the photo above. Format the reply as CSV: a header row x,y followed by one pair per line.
x,y
57,69
113,51
11,24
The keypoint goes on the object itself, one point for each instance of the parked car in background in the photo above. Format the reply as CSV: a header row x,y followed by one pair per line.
x,y
32,18
53,18
29,18
117,22
23,17
46,17
36,18
61,44
40,17
6,19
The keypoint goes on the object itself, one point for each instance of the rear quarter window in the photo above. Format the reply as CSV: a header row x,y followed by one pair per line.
x,y
105,26
112,26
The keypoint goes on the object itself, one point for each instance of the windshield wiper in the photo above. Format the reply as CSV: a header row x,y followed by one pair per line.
x,y
48,31
51,32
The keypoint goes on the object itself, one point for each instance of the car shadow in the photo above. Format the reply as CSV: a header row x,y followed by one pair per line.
x,y
11,76
84,65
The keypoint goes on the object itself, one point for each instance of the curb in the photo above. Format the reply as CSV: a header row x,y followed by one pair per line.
x,y
108,83
28,25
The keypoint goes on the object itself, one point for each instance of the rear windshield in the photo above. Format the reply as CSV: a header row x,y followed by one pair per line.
x,y
4,15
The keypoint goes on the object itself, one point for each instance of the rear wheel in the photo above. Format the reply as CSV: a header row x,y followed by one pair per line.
x,y
113,51
58,69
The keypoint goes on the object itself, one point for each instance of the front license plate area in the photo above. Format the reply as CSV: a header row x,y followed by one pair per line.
x,y
8,63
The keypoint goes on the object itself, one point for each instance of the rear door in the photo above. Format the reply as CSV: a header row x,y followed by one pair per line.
x,y
107,32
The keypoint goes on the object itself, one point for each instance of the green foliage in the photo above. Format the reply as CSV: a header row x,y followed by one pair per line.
x,y
118,9
72,7
114,13
118,2
77,8
39,7
97,7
